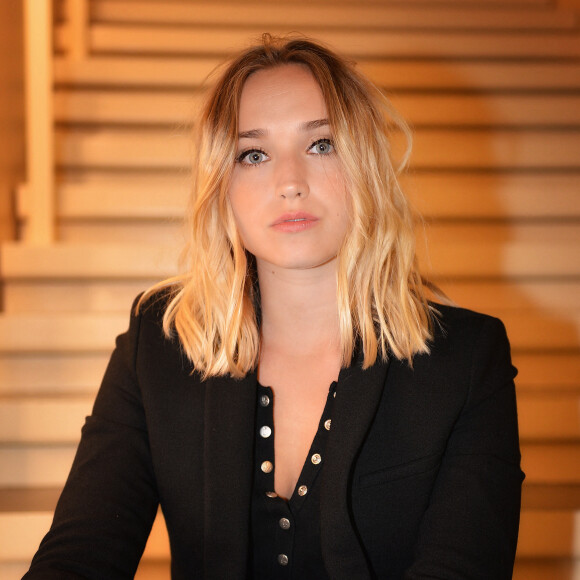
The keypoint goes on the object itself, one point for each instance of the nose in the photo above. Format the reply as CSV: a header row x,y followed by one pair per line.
x,y
291,179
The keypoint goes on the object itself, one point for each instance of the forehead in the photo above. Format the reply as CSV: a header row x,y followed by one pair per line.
x,y
284,91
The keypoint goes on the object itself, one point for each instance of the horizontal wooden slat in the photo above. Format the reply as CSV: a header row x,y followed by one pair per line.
x,y
14,570
543,371
169,232
76,261
21,533
43,466
179,107
69,373
43,420
550,496
302,14
549,533
131,71
47,421
434,148
160,232
534,497
52,373
480,149
21,545
444,232
59,420
441,195
525,295
138,197
533,568
448,260
147,108
549,417
71,296
38,466
455,260
104,295
489,110
145,149
54,332
447,195
551,463
219,40
538,331
27,499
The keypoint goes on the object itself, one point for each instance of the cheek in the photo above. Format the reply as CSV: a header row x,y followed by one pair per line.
x,y
243,214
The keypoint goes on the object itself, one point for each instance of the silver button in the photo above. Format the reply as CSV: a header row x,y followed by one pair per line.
x,y
302,490
316,459
327,424
282,559
284,523
271,494
264,400
266,466
265,431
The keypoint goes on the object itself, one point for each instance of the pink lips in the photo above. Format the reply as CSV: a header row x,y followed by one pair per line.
x,y
294,222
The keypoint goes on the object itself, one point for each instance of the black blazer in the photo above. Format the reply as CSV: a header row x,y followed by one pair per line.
x,y
421,477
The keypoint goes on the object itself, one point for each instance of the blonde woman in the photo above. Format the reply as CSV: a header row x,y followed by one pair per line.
x,y
292,400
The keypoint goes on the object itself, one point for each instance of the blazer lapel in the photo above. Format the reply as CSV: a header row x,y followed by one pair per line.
x,y
357,399
230,407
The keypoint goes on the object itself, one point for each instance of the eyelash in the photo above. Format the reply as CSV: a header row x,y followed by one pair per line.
x,y
242,156
326,141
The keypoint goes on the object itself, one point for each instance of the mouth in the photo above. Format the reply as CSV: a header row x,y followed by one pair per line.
x,y
294,218
294,222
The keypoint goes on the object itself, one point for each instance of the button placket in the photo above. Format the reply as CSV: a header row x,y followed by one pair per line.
x,y
286,520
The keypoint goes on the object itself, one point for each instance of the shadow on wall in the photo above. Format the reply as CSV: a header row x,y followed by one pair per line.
x,y
497,244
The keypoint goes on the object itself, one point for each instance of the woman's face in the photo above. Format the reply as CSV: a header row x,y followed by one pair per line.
x,y
287,192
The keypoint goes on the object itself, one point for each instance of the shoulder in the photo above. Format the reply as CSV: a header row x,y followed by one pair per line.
x,y
453,325
151,307
146,342
465,343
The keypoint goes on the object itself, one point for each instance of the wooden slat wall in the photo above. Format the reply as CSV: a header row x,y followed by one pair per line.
x,y
492,89
12,129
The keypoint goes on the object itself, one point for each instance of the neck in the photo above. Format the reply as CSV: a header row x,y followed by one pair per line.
x,y
299,308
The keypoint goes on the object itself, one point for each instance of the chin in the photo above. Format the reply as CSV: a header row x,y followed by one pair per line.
x,y
300,262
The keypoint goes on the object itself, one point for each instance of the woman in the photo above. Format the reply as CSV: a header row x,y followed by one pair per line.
x,y
292,400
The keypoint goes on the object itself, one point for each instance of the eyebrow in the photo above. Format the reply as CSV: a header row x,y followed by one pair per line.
x,y
307,126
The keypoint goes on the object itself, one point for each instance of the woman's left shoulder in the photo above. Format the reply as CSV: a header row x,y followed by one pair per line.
x,y
455,324
466,340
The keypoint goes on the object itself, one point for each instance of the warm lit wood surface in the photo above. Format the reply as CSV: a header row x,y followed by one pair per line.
x,y
492,89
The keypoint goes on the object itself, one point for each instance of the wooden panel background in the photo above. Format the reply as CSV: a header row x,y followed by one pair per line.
x,y
492,90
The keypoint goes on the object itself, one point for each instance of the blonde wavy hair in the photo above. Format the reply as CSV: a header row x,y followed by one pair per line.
x,y
213,305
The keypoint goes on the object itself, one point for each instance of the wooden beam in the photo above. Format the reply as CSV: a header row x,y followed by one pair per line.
x,y
39,116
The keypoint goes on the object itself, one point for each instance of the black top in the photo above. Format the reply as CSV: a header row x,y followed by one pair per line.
x,y
421,474
286,533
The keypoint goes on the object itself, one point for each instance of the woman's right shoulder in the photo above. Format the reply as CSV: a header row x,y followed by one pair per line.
x,y
146,336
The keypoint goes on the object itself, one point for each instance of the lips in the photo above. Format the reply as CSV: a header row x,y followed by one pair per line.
x,y
294,222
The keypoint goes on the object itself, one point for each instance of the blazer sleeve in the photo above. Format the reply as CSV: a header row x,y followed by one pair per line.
x,y
106,510
470,528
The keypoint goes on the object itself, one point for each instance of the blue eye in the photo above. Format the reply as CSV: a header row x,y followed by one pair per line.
x,y
322,147
252,157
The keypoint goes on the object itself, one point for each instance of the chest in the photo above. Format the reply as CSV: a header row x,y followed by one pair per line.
x,y
300,390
